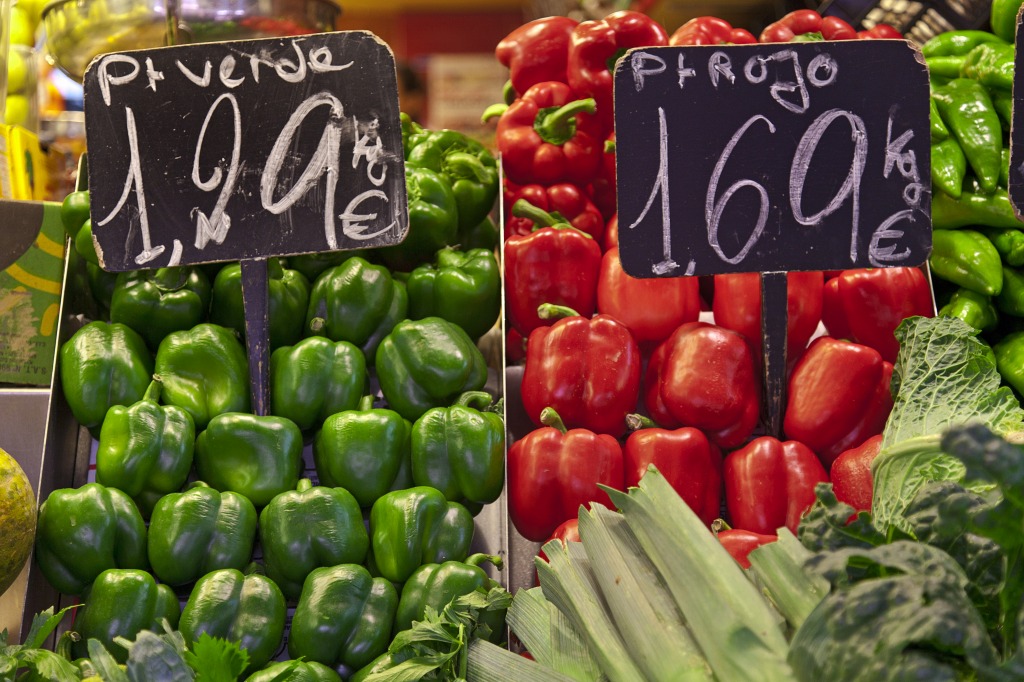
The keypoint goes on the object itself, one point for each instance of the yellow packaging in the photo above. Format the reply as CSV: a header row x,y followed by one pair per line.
x,y
23,167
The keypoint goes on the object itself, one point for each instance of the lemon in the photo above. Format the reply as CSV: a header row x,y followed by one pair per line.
x,y
17,110
17,519
22,32
17,71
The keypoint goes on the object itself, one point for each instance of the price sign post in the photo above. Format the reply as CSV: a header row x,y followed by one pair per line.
x,y
245,150
771,158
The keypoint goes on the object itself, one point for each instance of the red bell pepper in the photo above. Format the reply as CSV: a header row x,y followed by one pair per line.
x,y
689,461
737,306
566,532
880,32
740,543
602,189
568,201
557,264
611,233
770,484
838,397
544,138
586,369
594,48
667,301
537,51
806,24
710,31
515,346
851,474
552,471
703,376
866,306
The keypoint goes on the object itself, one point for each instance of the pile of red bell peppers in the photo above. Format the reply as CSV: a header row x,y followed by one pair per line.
x,y
620,372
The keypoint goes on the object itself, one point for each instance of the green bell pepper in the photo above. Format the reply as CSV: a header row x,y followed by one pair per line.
x,y
411,133
433,220
949,166
435,585
460,450
344,617
123,603
467,166
973,308
416,526
307,528
967,258
287,298
483,235
101,286
967,110
991,64
199,531
957,42
316,378
205,371
1009,243
259,457
461,287
145,450
74,211
294,671
366,451
245,608
356,302
102,365
973,208
157,302
84,531
84,245
427,363
1011,299
1009,354
311,265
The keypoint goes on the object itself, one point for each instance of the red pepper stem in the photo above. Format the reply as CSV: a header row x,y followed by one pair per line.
x,y
524,209
551,311
152,394
365,403
609,146
493,111
548,417
477,559
636,422
718,525
478,400
557,126
304,485
508,92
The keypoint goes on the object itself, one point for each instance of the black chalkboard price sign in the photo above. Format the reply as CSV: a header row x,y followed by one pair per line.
x,y
245,149
754,158
1016,179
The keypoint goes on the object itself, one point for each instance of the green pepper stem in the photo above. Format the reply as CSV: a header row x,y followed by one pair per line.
x,y
63,646
274,268
636,422
508,92
477,559
255,568
365,403
317,324
304,485
493,111
169,279
197,484
548,417
465,165
558,125
152,394
550,311
478,400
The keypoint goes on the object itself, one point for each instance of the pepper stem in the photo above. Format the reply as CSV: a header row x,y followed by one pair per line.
x,y
524,209
551,311
170,278
317,324
477,559
303,485
557,125
609,146
493,111
508,92
254,568
465,165
548,417
152,394
478,400
365,403
274,268
635,422
718,525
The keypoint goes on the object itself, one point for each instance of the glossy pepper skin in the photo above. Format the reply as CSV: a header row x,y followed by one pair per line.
x,y
601,190
866,305
586,369
949,166
710,31
967,110
259,457
365,451
807,25
1003,18
204,371
737,306
770,483
552,471
991,64
84,531
245,608
102,365
287,296
543,138
466,165
537,51
594,47
825,419
740,543
416,526
463,287
851,474
344,617
570,203
316,378
703,376
122,602
1009,243
157,302
356,302
558,265
957,43
145,450
435,585
689,461
309,527
967,258
1011,299
433,219
200,531
74,209
427,363
301,671
669,301
973,308
460,450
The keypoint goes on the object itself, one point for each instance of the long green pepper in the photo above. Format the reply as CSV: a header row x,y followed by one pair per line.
x,y
967,109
